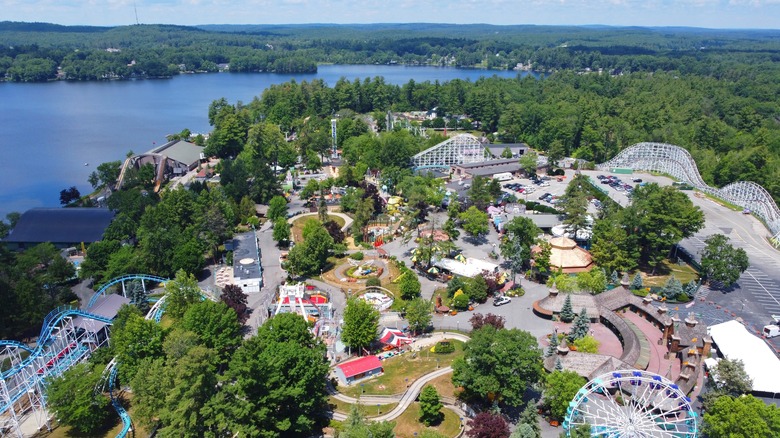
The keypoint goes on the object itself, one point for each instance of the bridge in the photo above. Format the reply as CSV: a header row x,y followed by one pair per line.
x,y
677,162
460,149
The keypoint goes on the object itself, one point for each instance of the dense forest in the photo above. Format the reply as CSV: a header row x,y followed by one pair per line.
x,y
41,51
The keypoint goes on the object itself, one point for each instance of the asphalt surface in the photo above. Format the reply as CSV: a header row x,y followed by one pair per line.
x,y
756,295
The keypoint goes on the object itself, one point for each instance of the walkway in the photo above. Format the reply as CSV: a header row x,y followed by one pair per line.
x,y
410,395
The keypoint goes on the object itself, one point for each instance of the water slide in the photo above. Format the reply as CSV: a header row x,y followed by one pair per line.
x,y
160,173
121,178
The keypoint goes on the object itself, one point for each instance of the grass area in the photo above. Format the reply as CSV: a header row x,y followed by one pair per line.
x,y
369,410
443,385
403,370
408,424
684,273
722,202
297,225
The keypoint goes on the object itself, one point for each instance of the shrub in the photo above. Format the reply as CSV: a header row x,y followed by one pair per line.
x,y
587,344
460,301
516,292
683,297
640,292
357,255
443,347
373,281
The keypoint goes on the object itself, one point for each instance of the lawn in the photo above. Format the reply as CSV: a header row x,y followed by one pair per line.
x,y
297,225
443,385
403,370
684,273
368,410
408,424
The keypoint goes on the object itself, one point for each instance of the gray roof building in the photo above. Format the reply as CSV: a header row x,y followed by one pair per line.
x,y
247,272
184,152
61,226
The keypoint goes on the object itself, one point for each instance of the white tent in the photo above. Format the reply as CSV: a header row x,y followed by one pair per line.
x,y
761,364
470,268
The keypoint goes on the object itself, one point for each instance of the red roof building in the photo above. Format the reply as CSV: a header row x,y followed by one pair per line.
x,y
357,369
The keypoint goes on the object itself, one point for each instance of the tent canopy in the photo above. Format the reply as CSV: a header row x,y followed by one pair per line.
x,y
735,342
394,337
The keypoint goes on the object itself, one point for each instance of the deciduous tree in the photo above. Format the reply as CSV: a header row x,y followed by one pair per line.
x,y
361,321
743,417
498,362
236,299
73,399
281,231
474,221
479,320
216,326
560,387
721,262
180,293
487,425
418,315
521,233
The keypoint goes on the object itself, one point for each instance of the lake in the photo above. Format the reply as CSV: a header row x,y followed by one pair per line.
x,y
49,131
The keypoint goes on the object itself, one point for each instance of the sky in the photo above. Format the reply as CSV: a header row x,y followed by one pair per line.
x,y
764,14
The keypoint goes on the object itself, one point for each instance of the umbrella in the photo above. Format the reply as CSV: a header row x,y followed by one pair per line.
x,y
414,259
460,258
434,270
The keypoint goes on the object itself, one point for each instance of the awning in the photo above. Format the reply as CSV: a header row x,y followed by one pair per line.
x,y
394,337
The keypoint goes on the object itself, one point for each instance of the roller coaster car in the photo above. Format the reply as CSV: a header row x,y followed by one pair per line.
x,y
746,211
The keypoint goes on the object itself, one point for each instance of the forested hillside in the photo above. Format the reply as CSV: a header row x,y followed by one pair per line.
x,y
35,51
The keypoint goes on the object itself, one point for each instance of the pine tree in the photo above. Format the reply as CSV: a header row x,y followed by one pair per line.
x,y
581,326
691,288
673,288
567,314
558,364
614,278
552,346
138,297
637,282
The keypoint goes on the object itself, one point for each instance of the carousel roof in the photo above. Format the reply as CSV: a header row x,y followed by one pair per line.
x,y
566,255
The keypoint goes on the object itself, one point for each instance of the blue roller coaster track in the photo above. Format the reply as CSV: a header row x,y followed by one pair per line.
x,y
130,277
127,424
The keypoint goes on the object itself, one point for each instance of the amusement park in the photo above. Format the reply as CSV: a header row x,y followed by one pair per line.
x,y
434,307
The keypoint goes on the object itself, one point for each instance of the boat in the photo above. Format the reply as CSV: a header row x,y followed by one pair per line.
x,y
86,164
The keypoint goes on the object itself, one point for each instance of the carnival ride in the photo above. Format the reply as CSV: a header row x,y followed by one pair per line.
x,y
68,336
460,149
632,404
679,164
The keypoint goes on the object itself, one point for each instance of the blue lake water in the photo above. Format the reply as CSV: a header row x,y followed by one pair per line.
x,y
49,131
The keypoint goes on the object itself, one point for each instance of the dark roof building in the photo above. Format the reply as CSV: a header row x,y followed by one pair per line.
x,y
63,227
487,168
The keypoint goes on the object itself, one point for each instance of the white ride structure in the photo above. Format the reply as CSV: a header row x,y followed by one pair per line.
x,y
632,404
460,149
678,163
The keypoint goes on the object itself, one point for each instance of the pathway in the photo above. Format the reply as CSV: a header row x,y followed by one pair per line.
x,y
410,395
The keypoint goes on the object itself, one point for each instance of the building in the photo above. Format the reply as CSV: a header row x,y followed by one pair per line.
x,y
735,342
247,272
172,159
487,168
517,149
64,227
106,306
355,370
567,256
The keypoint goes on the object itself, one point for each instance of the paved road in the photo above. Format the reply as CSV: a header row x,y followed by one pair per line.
x,y
756,296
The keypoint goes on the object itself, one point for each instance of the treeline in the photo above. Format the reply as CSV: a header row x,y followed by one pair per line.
x,y
729,124
33,51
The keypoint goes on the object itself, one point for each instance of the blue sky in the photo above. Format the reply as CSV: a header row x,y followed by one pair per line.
x,y
699,13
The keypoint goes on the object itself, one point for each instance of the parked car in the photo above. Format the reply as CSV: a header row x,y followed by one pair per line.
x,y
544,196
501,300
637,180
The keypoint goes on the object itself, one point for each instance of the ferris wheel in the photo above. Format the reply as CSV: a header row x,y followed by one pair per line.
x,y
632,404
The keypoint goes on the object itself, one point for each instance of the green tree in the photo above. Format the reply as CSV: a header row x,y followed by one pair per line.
x,y
409,285
281,231
659,217
479,193
311,255
741,417
475,222
593,281
560,387
541,257
293,368
728,377
216,326
150,387
477,288
587,344
180,293
361,322
612,247
672,288
721,262
498,362
418,315
356,426
580,327
138,296
567,313
637,282
430,406
137,340
450,228
528,162
73,399
521,233
277,208
506,153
